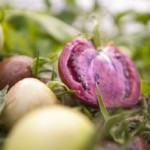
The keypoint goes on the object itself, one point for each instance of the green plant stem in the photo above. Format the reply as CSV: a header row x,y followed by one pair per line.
x,y
101,105
96,34
35,66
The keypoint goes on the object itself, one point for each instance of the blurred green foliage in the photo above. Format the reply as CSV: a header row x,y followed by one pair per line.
x,y
138,42
47,31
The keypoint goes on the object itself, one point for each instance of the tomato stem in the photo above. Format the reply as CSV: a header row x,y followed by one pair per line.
x,y
96,35
101,104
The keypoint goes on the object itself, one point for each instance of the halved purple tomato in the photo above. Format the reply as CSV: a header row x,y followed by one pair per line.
x,y
81,66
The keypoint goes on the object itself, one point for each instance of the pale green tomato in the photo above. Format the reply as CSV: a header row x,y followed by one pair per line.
x,y
51,128
23,97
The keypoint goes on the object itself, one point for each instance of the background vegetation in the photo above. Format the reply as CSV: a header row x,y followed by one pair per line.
x,y
48,29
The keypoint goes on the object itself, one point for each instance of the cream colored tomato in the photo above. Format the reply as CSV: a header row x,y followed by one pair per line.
x,y
51,128
25,96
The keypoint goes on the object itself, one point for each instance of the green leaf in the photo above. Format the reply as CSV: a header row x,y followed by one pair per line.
x,y
40,61
53,57
115,119
145,87
87,112
120,132
53,75
2,95
53,26
47,3
65,92
96,34
142,17
53,84
35,65
101,104
1,14
118,17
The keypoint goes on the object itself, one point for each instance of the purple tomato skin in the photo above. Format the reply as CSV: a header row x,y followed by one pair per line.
x,y
81,66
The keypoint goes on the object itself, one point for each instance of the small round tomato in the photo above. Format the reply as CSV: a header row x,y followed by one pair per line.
x,y
25,96
51,128
14,69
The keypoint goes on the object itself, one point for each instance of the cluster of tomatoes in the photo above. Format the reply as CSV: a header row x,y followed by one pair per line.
x,y
35,117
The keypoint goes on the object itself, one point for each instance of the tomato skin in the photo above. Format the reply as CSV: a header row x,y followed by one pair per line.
x,y
51,128
23,97
14,69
